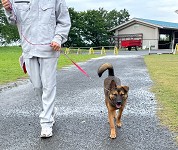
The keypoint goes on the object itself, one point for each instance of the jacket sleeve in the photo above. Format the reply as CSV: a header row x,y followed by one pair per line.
x,y
10,15
63,22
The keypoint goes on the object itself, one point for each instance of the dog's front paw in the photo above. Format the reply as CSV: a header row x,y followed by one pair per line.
x,y
112,136
119,124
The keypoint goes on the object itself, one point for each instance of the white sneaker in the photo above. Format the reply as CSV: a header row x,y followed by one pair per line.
x,y
54,114
46,132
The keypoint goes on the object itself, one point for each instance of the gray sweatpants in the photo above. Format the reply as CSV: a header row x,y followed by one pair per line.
x,y
42,73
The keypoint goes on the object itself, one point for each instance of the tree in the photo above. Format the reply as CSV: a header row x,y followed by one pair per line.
x,y
8,33
91,27
115,18
74,38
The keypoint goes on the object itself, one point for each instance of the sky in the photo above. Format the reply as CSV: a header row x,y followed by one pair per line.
x,y
162,10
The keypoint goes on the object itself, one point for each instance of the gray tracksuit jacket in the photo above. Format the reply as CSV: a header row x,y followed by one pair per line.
x,y
39,23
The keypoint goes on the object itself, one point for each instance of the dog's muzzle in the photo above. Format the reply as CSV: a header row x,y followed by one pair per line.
x,y
117,102
118,105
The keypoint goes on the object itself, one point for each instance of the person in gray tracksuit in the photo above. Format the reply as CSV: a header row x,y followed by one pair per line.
x,y
43,26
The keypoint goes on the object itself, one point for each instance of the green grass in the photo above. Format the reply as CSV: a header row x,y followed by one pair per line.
x,y
64,61
164,72
9,63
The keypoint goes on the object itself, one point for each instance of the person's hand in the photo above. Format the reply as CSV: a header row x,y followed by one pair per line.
x,y
6,4
55,46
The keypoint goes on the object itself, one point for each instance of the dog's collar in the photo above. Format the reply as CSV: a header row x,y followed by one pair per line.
x,y
106,89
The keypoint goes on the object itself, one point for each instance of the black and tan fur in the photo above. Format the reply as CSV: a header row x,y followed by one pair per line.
x,y
115,97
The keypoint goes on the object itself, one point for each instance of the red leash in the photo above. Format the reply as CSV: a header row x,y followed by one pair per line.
x,y
83,71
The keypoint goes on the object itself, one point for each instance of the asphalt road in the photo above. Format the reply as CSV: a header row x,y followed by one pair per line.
x,y
81,123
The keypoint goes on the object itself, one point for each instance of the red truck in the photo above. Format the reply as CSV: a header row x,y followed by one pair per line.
x,y
131,43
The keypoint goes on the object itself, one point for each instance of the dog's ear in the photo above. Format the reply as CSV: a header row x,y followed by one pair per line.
x,y
126,88
113,84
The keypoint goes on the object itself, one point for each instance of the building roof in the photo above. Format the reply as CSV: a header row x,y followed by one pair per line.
x,y
155,23
164,24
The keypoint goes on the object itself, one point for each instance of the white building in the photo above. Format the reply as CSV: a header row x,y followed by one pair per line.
x,y
153,33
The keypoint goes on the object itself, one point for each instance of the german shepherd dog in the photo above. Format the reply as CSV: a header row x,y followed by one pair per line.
x,y
115,97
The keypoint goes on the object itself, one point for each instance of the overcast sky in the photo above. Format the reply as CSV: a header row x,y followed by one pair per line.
x,y
162,10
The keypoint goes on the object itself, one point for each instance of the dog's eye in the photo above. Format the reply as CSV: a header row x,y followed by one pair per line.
x,y
122,94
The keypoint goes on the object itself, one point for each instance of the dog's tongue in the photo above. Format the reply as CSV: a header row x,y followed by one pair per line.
x,y
118,106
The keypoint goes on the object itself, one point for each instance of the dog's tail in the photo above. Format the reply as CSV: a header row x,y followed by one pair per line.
x,y
104,67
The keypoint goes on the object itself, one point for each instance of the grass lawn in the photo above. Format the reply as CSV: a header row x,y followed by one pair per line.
x,y
9,63
163,70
